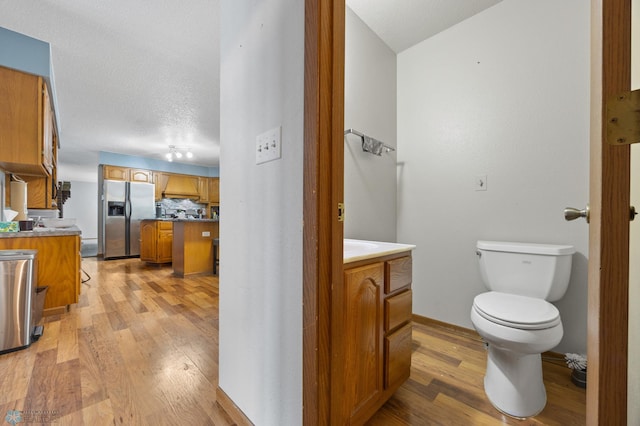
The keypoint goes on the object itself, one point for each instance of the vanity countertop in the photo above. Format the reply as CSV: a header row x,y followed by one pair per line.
x,y
355,250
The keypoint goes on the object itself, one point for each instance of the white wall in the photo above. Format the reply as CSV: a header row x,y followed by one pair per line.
x,y
633,394
503,94
370,107
262,77
82,206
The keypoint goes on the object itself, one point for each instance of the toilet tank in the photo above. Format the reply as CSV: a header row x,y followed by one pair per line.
x,y
527,269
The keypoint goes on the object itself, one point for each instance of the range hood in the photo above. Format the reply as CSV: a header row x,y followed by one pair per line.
x,y
181,187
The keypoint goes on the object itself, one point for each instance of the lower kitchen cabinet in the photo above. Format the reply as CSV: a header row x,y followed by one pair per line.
x,y
372,337
59,264
156,241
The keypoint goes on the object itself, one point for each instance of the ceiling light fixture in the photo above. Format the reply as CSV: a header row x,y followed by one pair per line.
x,y
178,152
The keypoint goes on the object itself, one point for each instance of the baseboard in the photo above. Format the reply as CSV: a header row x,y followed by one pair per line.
x,y
466,332
472,334
231,408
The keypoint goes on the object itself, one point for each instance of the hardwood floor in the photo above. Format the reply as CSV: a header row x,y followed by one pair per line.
x,y
141,348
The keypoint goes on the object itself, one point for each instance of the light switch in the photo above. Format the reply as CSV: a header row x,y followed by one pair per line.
x,y
268,146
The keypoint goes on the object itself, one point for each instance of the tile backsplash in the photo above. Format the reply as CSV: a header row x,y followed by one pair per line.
x,y
170,207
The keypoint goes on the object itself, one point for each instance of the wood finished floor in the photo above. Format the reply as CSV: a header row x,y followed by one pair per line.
x,y
141,348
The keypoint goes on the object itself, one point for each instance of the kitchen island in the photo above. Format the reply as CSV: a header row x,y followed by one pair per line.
x,y
59,262
193,246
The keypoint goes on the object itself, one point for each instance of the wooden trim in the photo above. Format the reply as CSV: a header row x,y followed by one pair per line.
x,y
608,299
323,189
462,331
231,409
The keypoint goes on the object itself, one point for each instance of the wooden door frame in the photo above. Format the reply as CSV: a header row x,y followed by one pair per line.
x,y
607,334
608,300
323,190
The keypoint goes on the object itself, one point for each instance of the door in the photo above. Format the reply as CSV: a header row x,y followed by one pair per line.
x,y
142,206
607,328
114,217
633,393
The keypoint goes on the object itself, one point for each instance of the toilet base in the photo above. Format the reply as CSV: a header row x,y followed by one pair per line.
x,y
513,382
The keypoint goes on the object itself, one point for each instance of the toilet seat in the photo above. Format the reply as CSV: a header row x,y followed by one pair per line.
x,y
515,311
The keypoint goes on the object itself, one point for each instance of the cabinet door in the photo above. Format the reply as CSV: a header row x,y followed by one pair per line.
x,y
203,189
165,246
115,173
148,241
214,190
39,191
361,331
47,130
397,357
160,180
139,175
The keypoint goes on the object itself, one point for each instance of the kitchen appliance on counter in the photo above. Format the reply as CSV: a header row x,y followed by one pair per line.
x,y
18,299
125,204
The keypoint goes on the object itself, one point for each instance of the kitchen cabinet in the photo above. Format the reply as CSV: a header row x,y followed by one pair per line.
x,y
214,190
41,192
160,179
203,189
156,241
193,246
139,175
27,125
59,264
372,336
115,173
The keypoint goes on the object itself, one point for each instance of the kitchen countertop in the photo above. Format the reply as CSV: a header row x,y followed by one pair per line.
x,y
167,219
43,232
355,250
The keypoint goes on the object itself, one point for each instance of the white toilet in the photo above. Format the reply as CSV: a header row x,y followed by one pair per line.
x,y
517,321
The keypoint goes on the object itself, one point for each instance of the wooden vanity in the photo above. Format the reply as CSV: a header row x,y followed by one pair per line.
x,y
372,329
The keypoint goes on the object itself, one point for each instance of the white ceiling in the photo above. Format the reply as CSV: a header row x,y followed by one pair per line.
x,y
133,77
404,23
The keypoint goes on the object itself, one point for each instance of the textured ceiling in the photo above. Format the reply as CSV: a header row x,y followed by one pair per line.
x,y
133,77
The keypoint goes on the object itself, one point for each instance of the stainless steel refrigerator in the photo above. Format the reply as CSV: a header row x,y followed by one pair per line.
x,y
125,204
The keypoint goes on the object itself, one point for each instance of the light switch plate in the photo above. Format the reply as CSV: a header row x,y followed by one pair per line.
x,y
268,146
481,183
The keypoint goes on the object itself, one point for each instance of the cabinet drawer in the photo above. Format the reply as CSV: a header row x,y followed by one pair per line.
x,y
397,310
165,225
397,357
398,274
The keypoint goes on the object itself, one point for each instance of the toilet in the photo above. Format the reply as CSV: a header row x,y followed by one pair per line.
x,y
516,319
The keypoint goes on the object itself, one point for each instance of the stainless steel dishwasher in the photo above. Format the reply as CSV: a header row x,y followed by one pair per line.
x,y
17,298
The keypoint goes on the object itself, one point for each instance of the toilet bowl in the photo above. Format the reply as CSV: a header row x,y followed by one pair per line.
x,y
513,381
517,321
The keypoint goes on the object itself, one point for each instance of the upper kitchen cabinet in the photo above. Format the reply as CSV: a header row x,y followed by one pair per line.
x,y
203,189
27,124
214,190
115,173
139,175
160,179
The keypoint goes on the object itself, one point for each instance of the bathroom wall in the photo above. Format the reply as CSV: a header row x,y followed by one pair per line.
x,y
370,107
503,94
633,394
262,87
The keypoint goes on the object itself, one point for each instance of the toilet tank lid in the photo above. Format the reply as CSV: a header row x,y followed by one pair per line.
x,y
530,248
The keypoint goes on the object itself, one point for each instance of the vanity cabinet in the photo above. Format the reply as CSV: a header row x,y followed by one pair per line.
x,y
156,241
372,336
